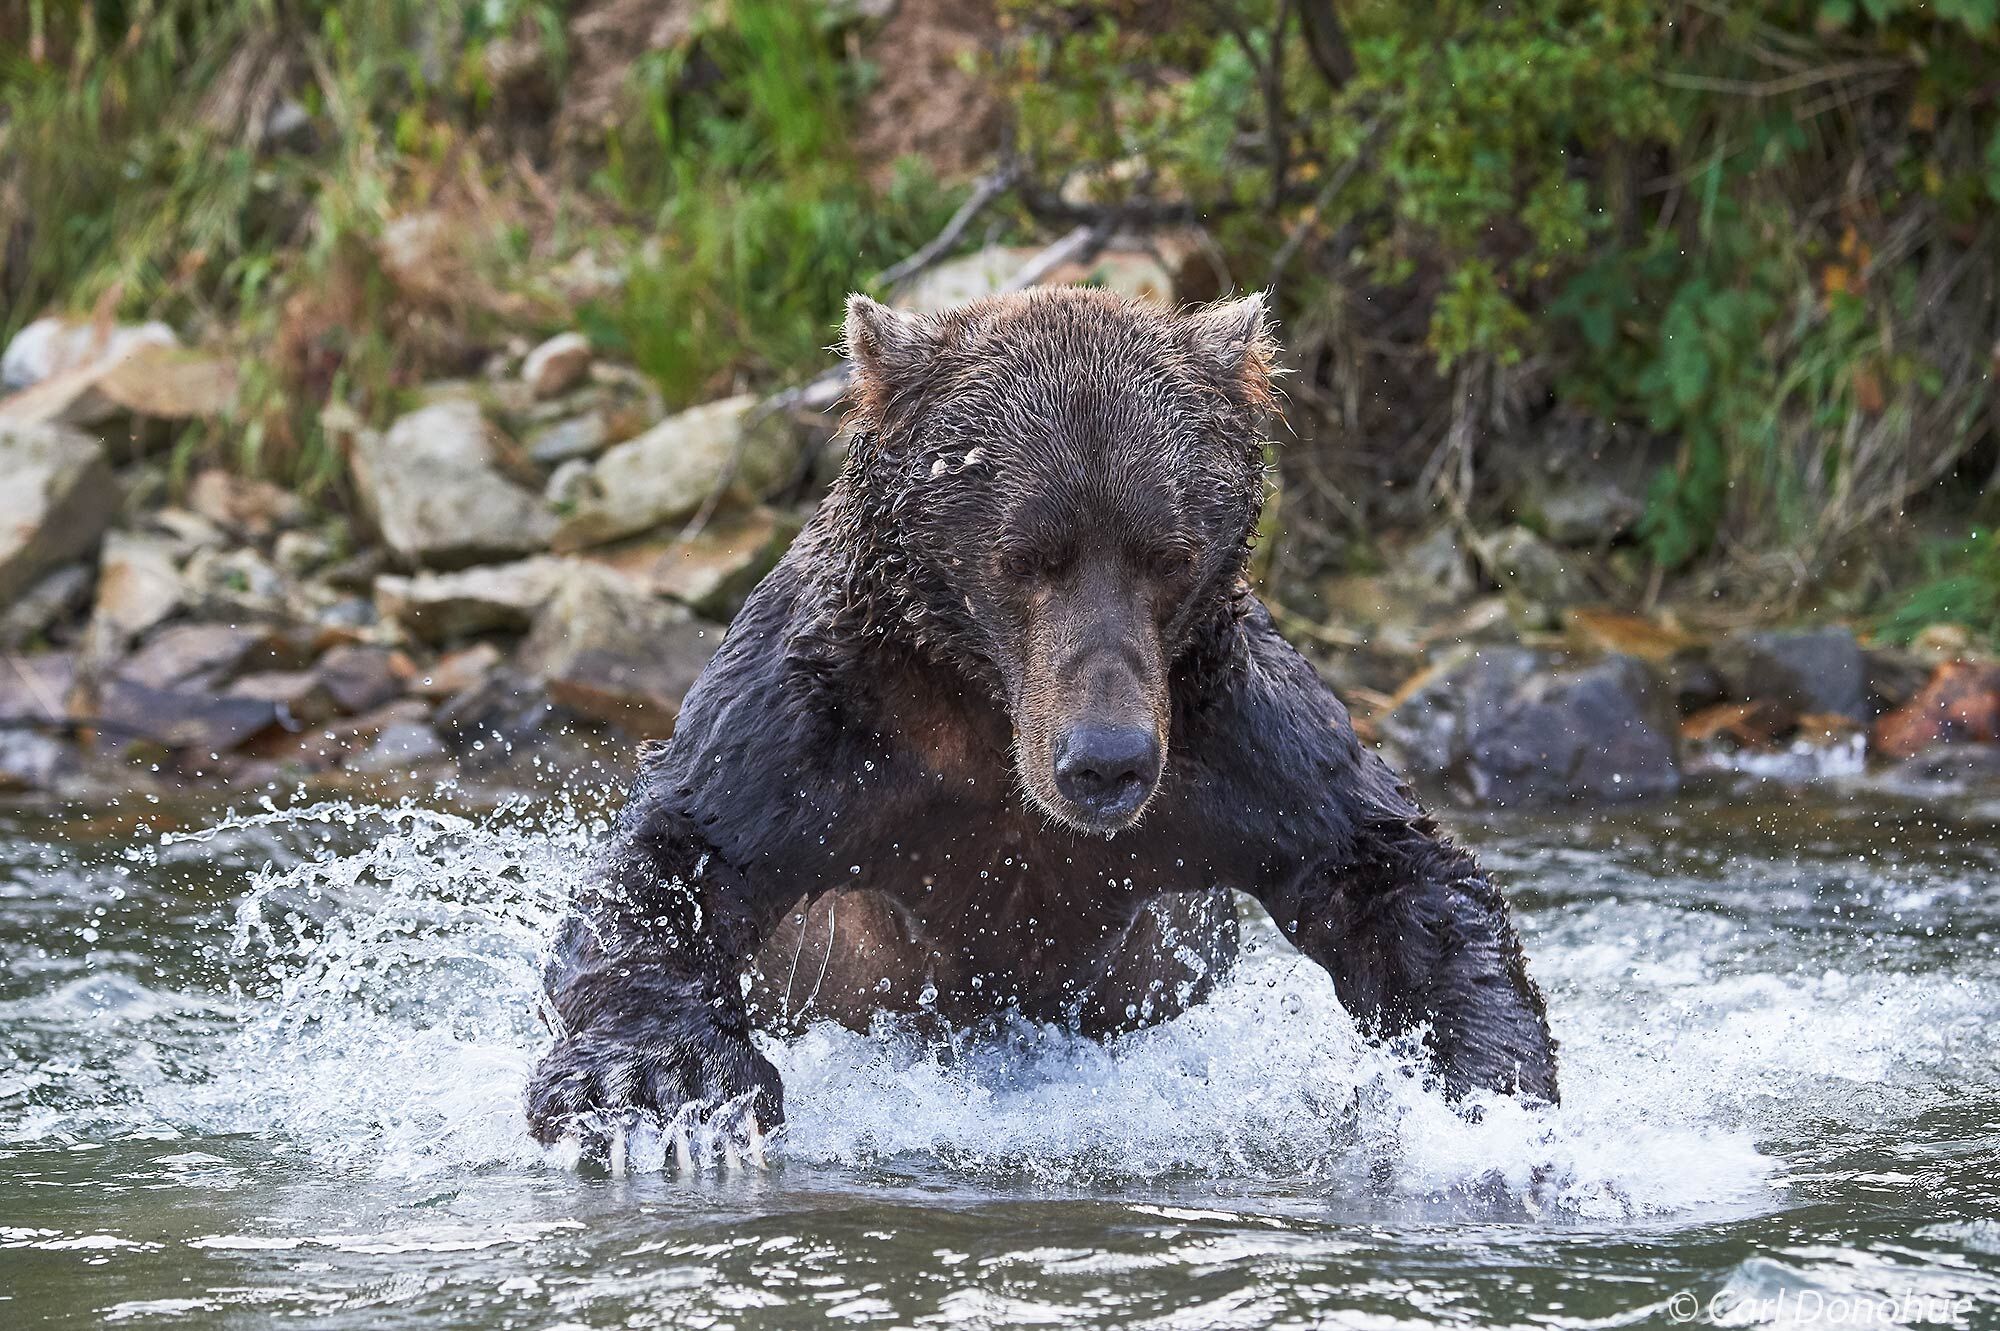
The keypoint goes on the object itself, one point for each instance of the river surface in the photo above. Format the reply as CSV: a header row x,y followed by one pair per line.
x,y
266,1068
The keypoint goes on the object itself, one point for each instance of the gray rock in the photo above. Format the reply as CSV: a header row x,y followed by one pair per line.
x,y
1585,510
569,486
138,586
35,690
188,530
500,709
1525,565
402,746
360,678
456,672
609,652
715,571
1820,671
57,498
557,365
249,509
142,379
30,760
193,719
1137,273
1437,567
288,127
200,656
434,489
1602,732
570,438
301,552
1453,701
49,346
1514,726
668,472
55,599
347,612
494,598
235,585
299,697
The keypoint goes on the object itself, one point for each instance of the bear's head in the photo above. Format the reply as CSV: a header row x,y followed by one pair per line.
x,y
1062,486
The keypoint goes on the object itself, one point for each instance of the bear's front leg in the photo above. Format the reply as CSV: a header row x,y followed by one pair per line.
x,y
648,1011
1287,803
1415,937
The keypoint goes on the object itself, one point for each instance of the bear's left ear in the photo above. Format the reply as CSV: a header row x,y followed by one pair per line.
x,y
1233,338
888,347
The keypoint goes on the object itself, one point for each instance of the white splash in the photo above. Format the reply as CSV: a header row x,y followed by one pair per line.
x,y
386,1022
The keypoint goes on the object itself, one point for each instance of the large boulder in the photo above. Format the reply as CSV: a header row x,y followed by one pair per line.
x,y
57,498
433,485
714,571
1525,565
493,598
138,586
670,471
194,719
138,377
47,607
1818,672
612,653
51,345
198,656
1514,726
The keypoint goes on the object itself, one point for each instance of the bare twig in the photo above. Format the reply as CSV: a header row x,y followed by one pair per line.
x,y
989,188
1799,82
1079,246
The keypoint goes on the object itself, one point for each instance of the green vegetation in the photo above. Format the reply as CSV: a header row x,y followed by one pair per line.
x,y
1759,235
729,207
1764,230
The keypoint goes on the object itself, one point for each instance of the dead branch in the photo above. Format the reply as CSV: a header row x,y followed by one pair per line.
x,y
990,187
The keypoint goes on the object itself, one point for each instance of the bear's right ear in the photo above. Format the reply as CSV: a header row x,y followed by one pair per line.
x,y
888,347
1233,336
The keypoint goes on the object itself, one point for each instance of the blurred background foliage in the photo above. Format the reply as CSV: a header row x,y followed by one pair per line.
x,y
1752,245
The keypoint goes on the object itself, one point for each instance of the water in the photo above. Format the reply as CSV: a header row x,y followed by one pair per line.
x,y
270,1066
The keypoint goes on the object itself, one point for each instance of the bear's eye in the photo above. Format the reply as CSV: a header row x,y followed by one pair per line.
x,y
1029,565
1167,561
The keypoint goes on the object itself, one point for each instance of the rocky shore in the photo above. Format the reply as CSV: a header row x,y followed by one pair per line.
x,y
542,558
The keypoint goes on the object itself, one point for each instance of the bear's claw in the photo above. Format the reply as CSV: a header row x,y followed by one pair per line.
x,y
603,1092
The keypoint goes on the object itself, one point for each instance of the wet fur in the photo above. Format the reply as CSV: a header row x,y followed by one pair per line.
x,y
853,787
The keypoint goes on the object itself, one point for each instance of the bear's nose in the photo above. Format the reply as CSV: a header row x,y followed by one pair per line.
x,y
1107,771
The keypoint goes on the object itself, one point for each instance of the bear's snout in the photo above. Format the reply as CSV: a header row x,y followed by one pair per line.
x,y
1106,772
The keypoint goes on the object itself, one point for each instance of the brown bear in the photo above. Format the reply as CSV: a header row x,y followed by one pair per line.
x,y
1002,732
